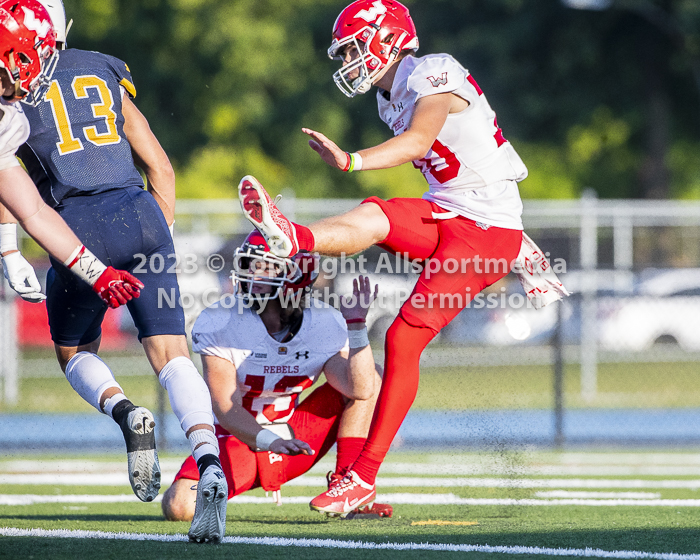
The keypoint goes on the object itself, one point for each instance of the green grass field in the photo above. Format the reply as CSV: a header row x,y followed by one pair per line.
x,y
619,503
625,385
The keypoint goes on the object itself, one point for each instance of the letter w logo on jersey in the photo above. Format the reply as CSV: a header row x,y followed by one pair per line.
x,y
41,26
437,82
373,13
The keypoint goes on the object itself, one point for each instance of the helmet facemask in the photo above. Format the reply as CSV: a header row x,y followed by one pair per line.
x,y
40,85
250,270
368,64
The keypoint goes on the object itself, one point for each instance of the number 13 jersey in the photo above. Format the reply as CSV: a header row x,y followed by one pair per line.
x,y
77,144
471,168
270,375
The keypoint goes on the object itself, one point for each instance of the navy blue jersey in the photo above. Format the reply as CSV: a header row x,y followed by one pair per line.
x,y
77,144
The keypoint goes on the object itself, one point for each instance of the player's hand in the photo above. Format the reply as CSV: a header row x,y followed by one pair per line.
x,y
22,278
290,447
116,287
327,149
357,306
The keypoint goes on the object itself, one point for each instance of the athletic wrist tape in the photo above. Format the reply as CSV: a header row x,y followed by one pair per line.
x,y
264,439
358,338
84,264
8,237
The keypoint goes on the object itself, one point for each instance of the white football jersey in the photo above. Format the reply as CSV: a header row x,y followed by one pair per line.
x,y
270,374
14,131
471,168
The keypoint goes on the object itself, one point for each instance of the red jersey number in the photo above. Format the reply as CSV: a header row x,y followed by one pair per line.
x,y
445,170
288,384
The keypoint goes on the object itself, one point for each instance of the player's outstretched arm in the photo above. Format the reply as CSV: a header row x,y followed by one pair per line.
x,y
19,195
352,372
220,376
428,119
150,156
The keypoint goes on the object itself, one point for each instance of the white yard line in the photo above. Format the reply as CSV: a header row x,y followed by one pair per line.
x,y
395,499
121,479
598,495
355,545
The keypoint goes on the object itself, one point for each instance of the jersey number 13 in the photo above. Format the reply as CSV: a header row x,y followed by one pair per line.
x,y
102,109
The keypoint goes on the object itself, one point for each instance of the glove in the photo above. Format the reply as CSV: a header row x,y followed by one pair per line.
x,y
116,287
22,278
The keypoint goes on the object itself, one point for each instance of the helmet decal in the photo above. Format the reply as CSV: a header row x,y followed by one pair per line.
x,y
371,14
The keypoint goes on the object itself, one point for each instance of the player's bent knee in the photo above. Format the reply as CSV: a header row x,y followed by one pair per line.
x,y
373,219
179,501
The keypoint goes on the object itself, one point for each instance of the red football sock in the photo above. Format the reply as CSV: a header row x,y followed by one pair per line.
x,y
349,449
404,345
305,238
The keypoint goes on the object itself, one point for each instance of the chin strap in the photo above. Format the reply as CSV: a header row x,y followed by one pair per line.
x,y
14,73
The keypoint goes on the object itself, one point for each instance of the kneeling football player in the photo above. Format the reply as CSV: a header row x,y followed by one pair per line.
x,y
259,352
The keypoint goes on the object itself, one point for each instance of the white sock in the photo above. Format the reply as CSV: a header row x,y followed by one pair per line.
x,y
90,377
188,393
112,401
203,442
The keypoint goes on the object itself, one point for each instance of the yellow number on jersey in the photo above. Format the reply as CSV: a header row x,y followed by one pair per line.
x,y
99,110
103,109
66,143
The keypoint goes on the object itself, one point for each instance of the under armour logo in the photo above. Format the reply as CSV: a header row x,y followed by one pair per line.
x,y
305,354
441,81
373,13
41,26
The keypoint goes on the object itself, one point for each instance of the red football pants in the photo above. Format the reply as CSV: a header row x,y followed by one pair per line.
x,y
315,421
462,258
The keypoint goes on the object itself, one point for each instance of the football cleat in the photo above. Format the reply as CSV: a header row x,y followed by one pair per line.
x,y
375,511
262,212
344,495
144,470
209,521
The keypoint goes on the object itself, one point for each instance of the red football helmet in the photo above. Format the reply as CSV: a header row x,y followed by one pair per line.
x,y
380,30
27,47
292,274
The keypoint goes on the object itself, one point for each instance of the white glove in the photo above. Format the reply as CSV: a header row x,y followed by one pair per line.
x,y
22,278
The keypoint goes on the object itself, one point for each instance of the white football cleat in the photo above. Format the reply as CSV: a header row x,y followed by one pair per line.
x,y
262,212
209,521
142,458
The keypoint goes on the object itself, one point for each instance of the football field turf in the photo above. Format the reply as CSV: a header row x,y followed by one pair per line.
x,y
494,504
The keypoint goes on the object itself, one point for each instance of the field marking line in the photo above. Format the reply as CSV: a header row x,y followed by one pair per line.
x,y
395,499
484,468
599,495
334,543
121,479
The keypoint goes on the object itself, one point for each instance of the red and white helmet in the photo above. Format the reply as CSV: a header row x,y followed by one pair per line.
x,y
293,273
27,47
380,30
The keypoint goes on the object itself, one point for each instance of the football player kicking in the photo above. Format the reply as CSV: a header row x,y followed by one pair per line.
x,y
471,214
87,136
260,351
27,58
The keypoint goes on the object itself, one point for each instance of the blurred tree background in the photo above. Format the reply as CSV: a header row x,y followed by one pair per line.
x,y
602,99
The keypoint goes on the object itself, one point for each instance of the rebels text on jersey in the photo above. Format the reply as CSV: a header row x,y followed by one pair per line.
x,y
471,168
270,374
77,144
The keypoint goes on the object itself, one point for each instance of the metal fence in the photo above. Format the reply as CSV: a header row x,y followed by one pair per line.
x,y
634,268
